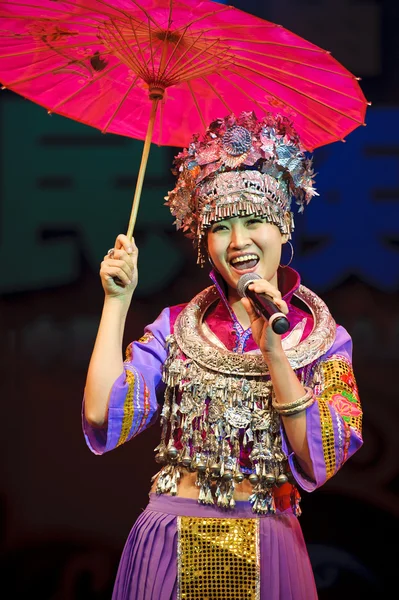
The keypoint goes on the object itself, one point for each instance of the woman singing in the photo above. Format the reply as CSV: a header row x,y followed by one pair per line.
x,y
247,416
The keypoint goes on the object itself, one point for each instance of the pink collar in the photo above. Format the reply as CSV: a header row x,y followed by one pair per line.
x,y
228,329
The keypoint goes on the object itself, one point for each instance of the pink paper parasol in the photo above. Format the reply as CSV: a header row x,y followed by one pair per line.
x,y
160,70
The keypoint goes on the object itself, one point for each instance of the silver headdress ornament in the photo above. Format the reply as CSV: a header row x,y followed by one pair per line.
x,y
241,166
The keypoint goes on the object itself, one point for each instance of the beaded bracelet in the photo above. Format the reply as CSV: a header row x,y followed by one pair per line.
x,y
297,406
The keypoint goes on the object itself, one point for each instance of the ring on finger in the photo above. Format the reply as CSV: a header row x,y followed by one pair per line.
x,y
111,252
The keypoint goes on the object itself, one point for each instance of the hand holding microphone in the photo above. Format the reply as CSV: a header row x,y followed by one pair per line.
x,y
263,304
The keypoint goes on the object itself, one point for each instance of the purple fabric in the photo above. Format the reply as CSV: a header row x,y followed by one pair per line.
x,y
342,347
145,365
148,565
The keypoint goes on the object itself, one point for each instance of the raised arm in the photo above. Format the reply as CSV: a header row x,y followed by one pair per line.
x,y
106,363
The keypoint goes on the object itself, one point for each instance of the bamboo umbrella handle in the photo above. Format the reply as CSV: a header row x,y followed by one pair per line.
x,y
143,165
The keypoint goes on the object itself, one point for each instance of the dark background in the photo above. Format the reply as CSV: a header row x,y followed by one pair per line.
x,y
65,194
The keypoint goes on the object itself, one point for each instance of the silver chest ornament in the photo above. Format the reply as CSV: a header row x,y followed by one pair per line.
x,y
220,402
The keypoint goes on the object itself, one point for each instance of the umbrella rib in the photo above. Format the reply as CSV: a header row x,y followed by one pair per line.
x,y
210,14
188,66
86,85
46,58
122,48
59,53
173,53
55,69
125,14
170,14
278,98
72,19
194,75
165,43
52,50
196,105
198,70
151,48
290,87
56,51
147,14
243,92
73,4
222,100
263,24
112,16
47,48
144,74
28,38
316,83
184,53
46,20
295,108
140,48
104,129
267,42
31,77
291,60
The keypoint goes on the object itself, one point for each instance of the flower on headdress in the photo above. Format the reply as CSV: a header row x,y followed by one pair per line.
x,y
236,140
268,148
235,145
269,145
180,205
209,154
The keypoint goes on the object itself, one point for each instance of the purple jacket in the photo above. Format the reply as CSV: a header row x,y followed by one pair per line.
x,y
333,422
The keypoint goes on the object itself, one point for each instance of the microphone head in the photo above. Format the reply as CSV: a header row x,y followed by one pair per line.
x,y
244,282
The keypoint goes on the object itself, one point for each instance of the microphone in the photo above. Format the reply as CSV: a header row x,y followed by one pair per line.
x,y
263,304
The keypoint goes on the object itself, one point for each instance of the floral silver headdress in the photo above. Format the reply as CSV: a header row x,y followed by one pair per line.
x,y
241,166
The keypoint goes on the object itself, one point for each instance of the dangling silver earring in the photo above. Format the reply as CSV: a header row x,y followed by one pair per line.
x,y
211,263
292,256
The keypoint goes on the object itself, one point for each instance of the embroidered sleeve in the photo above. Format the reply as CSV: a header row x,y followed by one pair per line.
x,y
133,404
334,421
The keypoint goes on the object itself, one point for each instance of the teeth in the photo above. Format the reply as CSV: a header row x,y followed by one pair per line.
x,y
244,258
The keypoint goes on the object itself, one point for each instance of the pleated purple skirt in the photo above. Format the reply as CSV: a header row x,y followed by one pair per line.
x,y
148,565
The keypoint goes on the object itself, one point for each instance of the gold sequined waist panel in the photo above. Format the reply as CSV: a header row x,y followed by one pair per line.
x,y
218,559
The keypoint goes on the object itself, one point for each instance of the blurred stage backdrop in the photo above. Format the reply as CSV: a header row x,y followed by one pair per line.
x,y
66,192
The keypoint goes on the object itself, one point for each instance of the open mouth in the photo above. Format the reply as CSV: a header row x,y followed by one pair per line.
x,y
245,262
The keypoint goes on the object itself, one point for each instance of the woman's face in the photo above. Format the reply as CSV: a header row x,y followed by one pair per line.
x,y
247,244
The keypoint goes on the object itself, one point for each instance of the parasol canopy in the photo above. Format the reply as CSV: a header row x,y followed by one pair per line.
x,y
161,70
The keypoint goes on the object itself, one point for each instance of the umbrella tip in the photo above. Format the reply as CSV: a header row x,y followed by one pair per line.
x,y
3,87
358,78
344,141
50,112
369,103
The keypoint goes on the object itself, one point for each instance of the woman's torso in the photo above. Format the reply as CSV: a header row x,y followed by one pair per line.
x,y
188,489
222,323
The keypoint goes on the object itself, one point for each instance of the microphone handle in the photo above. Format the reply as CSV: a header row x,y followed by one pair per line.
x,y
266,308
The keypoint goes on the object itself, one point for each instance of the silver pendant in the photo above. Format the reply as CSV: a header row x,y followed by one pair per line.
x,y
238,417
261,420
